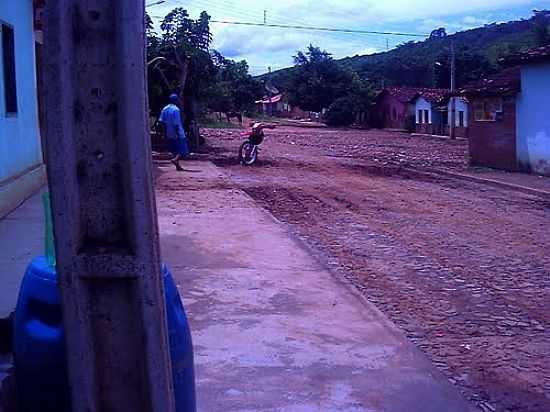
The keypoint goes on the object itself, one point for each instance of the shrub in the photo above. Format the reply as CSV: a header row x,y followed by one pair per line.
x,y
341,112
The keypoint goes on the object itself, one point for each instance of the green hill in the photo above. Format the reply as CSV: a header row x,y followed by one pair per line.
x,y
478,52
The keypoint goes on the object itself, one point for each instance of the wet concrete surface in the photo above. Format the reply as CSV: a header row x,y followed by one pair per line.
x,y
273,329
21,239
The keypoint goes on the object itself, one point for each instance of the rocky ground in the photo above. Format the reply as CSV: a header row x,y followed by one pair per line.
x,y
462,268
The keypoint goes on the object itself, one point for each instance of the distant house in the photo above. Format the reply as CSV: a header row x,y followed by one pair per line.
x,y
510,120
273,105
279,106
423,110
433,108
21,167
394,106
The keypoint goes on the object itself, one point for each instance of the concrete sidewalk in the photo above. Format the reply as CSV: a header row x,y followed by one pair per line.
x,y
21,239
272,329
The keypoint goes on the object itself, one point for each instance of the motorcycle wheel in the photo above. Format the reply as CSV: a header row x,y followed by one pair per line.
x,y
248,154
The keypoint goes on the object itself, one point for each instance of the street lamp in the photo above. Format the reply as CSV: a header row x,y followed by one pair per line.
x,y
437,65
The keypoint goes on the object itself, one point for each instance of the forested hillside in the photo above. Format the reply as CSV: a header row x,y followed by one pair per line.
x,y
427,63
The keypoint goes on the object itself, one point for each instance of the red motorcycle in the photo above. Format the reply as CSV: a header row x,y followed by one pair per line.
x,y
248,153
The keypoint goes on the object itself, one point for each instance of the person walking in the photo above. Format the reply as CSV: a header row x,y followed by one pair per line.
x,y
170,117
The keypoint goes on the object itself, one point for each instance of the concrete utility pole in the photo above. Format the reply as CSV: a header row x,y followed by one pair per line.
x,y
270,93
452,121
99,170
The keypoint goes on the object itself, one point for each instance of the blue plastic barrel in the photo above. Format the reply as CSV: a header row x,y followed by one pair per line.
x,y
181,346
39,348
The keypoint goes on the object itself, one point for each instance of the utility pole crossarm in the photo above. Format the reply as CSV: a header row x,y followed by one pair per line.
x,y
100,178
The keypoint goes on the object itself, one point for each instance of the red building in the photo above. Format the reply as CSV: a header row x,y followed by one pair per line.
x,y
394,108
493,120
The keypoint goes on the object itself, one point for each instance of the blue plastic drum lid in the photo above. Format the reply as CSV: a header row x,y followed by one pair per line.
x,y
40,350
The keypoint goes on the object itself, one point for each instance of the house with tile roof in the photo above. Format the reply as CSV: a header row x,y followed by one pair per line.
x,y
510,119
394,108
420,110
279,106
433,113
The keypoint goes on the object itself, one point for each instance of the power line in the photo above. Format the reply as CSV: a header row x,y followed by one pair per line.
x,y
268,15
230,12
227,8
327,29
155,3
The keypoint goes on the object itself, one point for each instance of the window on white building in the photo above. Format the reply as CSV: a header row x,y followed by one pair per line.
x,y
8,66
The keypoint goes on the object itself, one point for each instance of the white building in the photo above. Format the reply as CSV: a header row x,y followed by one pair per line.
x,y
21,166
533,112
433,113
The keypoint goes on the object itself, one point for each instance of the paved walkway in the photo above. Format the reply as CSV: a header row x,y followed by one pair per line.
x,y
21,239
273,330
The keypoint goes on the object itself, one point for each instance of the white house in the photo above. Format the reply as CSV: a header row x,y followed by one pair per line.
x,y
433,108
21,167
423,109
533,112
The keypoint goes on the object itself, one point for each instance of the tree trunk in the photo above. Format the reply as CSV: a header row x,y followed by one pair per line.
x,y
192,123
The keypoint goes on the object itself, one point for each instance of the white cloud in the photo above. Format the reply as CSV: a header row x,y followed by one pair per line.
x,y
263,47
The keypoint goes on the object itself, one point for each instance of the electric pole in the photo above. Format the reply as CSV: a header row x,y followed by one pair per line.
x,y
270,93
106,234
265,16
452,121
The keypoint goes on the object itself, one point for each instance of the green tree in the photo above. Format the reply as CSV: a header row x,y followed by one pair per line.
x,y
344,110
235,89
341,112
469,67
541,22
179,61
318,80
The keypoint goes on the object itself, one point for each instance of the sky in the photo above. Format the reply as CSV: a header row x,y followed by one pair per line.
x,y
264,47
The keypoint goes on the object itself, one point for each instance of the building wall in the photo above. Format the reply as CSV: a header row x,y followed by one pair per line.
x,y
20,149
423,104
392,113
533,114
460,105
493,144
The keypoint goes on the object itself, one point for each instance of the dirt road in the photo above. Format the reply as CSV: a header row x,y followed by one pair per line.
x,y
462,268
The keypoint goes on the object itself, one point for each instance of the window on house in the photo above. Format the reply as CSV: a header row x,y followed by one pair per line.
x,y
420,113
8,59
486,110
426,116
461,118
